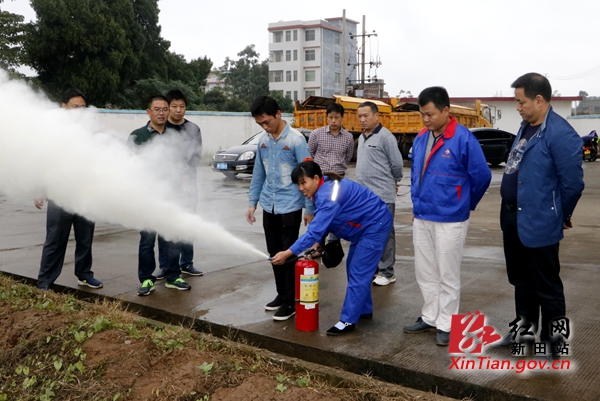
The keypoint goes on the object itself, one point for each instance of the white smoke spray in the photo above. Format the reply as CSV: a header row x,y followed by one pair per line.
x,y
48,151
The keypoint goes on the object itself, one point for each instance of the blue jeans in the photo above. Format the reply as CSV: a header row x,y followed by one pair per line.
x,y
147,261
185,257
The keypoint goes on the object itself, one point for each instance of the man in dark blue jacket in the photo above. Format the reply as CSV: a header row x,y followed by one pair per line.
x,y
542,182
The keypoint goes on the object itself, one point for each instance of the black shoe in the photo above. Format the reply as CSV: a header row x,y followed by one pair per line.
x,y
162,272
192,271
274,304
284,312
341,328
442,338
419,327
367,316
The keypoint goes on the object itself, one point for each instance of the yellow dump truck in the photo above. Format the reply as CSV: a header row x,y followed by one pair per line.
x,y
401,118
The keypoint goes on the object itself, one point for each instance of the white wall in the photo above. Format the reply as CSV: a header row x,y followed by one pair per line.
x,y
585,124
511,120
219,129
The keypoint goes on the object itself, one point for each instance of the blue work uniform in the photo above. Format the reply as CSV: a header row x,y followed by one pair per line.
x,y
352,212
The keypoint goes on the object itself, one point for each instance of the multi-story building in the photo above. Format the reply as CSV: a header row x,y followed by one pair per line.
x,y
213,81
307,57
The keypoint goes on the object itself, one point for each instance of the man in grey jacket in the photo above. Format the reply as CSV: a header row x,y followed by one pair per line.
x,y
379,168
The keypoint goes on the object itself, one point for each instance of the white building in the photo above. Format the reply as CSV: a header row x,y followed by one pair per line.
x,y
308,57
213,81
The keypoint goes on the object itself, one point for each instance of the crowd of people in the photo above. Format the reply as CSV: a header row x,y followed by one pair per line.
x,y
166,122
449,175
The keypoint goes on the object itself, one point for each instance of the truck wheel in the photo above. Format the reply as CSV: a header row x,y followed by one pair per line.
x,y
404,149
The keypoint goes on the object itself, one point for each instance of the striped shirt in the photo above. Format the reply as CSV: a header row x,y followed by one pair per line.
x,y
331,152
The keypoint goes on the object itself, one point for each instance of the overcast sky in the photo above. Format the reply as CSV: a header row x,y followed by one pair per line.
x,y
471,47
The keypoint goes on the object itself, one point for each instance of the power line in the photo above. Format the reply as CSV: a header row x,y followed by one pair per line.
x,y
583,74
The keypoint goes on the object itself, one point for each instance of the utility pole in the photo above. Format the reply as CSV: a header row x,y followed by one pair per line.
x,y
344,44
364,44
362,53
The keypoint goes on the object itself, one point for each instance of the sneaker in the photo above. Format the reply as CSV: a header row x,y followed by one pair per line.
x,y
284,312
341,328
419,327
442,338
146,288
90,282
162,273
192,271
178,284
274,304
381,280
366,316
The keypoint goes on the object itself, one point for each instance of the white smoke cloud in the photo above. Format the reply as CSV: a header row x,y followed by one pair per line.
x,y
49,151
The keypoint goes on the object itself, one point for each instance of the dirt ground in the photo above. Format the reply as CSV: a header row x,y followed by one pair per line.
x,y
54,347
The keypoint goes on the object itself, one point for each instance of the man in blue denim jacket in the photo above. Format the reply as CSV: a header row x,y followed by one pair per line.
x,y
542,182
280,149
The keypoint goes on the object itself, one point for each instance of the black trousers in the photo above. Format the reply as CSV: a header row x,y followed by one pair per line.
x,y
534,272
281,231
58,228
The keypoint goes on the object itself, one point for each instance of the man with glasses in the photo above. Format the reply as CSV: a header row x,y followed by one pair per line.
x,y
158,111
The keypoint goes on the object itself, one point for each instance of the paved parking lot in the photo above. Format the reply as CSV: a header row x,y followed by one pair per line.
x,y
228,300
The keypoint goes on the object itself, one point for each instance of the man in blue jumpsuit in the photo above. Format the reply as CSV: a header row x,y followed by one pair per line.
x,y
352,212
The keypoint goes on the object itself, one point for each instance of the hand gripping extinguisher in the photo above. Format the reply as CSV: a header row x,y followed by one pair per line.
x,y
307,294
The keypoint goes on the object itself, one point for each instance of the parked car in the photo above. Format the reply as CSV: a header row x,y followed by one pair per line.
x,y
240,159
495,143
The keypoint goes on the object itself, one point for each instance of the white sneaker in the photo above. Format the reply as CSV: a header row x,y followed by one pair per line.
x,y
381,280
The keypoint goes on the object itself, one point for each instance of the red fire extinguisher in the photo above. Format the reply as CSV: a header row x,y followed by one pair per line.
x,y
307,295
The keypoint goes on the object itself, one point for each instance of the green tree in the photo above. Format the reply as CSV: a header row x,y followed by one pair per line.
x,y
214,99
12,33
245,78
93,45
136,96
155,56
201,67
285,103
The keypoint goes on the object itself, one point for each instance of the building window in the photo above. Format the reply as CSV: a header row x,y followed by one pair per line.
x,y
276,76
295,35
295,95
309,75
288,76
288,94
277,36
288,55
336,58
337,38
288,36
309,35
309,93
338,78
295,75
276,56
309,55
295,55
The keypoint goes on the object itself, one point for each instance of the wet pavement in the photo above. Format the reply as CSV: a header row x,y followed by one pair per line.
x,y
229,299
